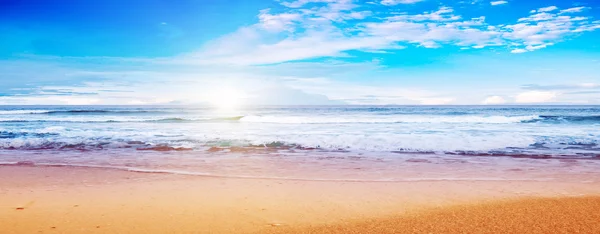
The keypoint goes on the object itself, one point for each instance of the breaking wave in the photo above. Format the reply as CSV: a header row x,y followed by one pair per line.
x,y
391,119
324,119
469,131
562,118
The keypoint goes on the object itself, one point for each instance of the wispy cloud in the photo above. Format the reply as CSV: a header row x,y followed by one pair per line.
x,y
580,86
369,94
279,22
544,9
494,100
573,10
543,28
308,48
496,3
396,2
536,97
519,51
307,29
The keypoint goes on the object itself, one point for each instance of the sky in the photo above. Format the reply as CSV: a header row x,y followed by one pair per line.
x,y
299,52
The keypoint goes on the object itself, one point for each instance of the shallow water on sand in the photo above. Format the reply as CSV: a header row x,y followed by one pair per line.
x,y
327,166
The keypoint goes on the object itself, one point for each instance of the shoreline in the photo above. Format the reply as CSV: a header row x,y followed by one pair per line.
x,y
242,177
72,200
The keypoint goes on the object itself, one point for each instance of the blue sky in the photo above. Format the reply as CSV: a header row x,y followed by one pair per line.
x,y
300,52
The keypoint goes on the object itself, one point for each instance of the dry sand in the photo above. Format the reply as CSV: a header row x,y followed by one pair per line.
x,y
84,200
532,215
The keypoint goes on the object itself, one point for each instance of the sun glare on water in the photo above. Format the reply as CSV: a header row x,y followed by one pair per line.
x,y
226,99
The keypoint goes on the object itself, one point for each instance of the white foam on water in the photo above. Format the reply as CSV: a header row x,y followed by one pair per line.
x,y
22,112
325,128
387,119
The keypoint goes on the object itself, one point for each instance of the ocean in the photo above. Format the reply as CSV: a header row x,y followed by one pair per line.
x,y
288,141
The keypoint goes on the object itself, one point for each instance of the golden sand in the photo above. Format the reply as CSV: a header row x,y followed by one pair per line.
x,y
84,200
534,215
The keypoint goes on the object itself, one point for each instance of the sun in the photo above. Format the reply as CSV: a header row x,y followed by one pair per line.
x,y
226,98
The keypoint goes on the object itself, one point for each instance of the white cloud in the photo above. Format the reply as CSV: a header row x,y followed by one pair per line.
x,y
432,29
300,3
494,100
535,97
49,100
573,93
277,22
495,3
543,28
547,9
573,10
333,81
306,29
537,47
538,17
518,51
283,95
436,101
169,83
370,95
312,44
442,14
396,2
589,85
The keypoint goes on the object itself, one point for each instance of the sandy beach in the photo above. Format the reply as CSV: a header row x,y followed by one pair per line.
x,y
527,215
39,199
299,116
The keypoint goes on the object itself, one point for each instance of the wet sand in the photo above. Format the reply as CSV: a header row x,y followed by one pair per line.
x,y
85,200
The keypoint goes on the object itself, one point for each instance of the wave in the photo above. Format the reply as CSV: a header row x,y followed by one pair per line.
x,y
325,119
22,112
20,121
10,135
116,120
390,119
84,112
32,144
538,149
175,120
73,112
456,119
565,118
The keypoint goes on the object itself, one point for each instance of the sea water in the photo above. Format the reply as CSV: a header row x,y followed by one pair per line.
x,y
352,142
